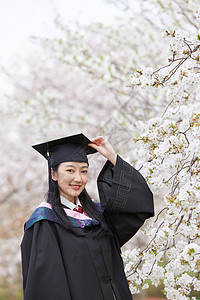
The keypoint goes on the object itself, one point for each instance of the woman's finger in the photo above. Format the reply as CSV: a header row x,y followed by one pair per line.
x,y
93,145
100,138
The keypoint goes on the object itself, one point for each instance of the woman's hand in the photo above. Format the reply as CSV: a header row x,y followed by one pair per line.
x,y
105,148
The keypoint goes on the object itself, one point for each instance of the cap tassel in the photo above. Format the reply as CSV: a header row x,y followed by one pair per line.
x,y
49,164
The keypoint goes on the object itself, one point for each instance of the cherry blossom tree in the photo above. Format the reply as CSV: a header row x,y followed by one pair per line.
x,y
168,154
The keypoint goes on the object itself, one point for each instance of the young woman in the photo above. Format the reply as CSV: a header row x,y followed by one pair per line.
x,y
71,245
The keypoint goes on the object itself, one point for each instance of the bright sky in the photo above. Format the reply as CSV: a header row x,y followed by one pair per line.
x,y
20,19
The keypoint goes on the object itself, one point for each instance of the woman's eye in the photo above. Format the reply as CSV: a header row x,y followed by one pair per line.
x,y
84,171
70,171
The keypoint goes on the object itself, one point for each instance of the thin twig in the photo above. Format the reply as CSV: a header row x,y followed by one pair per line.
x,y
160,213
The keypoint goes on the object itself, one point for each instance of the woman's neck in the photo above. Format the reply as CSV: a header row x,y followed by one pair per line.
x,y
73,200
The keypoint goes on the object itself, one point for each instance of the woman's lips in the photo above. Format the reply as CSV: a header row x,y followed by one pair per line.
x,y
75,187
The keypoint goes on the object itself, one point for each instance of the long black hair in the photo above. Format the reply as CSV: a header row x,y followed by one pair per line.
x,y
89,207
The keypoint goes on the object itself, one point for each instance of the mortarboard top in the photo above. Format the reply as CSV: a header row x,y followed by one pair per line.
x,y
70,148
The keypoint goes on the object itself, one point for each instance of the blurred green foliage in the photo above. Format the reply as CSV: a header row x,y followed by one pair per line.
x,y
11,290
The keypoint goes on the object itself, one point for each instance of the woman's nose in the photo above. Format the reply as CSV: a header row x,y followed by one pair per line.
x,y
77,176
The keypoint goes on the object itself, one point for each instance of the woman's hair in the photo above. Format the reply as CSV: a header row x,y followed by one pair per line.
x,y
89,207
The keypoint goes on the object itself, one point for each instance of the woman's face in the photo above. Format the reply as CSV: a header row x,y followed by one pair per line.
x,y
72,178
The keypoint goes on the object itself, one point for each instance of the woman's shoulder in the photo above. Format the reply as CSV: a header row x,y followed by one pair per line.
x,y
42,212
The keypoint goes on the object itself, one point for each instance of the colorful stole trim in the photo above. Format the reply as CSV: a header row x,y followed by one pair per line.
x,y
44,212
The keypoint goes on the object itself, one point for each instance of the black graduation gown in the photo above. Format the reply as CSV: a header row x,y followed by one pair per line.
x,y
56,264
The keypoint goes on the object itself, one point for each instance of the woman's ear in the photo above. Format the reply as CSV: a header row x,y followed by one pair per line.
x,y
54,175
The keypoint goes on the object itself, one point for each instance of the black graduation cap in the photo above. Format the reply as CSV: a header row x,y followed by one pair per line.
x,y
70,148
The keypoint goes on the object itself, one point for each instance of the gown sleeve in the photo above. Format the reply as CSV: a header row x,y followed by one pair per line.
x,y
44,276
125,198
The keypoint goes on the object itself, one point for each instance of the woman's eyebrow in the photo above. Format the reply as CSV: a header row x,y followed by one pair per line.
x,y
75,166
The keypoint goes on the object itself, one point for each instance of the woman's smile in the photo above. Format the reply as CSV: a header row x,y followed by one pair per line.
x,y
75,186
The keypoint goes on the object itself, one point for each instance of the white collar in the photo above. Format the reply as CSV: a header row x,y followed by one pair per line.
x,y
68,203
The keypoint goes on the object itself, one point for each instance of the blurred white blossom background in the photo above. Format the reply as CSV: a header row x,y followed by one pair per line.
x,y
127,70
